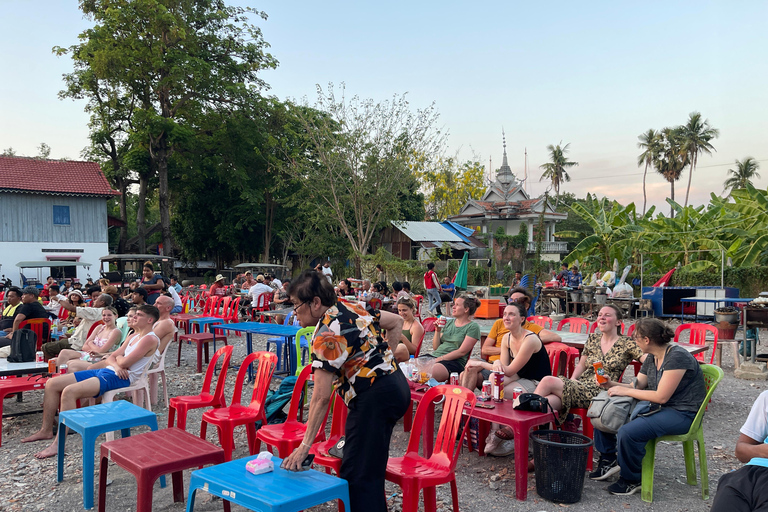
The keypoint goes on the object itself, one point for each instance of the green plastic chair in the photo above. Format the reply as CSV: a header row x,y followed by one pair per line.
x,y
712,376
122,324
305,333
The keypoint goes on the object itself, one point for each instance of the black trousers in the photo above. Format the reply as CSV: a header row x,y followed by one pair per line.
x,y
743,490
372,417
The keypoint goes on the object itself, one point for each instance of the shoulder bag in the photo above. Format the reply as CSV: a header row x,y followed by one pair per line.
x,y
610,413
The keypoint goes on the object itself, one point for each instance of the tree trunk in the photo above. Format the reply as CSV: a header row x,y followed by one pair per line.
x,y
141,214
163,202
269,220
690,176
358,266
672,196
645,197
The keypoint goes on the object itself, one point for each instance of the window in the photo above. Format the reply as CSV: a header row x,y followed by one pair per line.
x,y
61,215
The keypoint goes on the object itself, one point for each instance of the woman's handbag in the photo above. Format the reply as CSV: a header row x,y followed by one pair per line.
x,y
609,413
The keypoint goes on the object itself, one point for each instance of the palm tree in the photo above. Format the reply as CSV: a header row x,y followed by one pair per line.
x,y
745,172
556,169
650,143
671,158
697,135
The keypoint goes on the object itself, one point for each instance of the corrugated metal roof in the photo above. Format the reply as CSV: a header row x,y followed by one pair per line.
x,y
426,232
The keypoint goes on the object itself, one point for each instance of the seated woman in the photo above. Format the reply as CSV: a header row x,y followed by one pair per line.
x,y
412,330
75,298
671,388
344,289
377,292
614,350
524,361
98,343
398,292
455,339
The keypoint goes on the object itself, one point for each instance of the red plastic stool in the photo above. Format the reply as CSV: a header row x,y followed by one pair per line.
x,y
201,339
18,385
150,455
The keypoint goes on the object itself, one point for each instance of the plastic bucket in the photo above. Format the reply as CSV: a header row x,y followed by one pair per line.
x,y
560,460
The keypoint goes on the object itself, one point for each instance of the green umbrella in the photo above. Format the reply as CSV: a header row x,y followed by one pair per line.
x,y
460,281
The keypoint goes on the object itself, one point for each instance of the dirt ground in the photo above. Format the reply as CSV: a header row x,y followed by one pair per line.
x,y
29,484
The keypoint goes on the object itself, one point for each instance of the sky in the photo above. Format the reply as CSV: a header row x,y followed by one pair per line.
x,y
594,75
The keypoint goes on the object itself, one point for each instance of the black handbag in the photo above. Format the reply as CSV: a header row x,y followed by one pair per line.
x,y
23,344
534,403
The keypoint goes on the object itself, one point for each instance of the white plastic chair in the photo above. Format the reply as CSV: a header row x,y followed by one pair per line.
x,y
152,374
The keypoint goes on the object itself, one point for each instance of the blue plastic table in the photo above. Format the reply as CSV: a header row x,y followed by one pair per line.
x,y
278,491
90,423
251,328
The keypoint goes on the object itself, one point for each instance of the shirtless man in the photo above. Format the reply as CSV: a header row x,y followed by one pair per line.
x,y
124,366
165,329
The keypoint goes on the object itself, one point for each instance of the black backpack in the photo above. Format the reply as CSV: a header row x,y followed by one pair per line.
x,y
23,346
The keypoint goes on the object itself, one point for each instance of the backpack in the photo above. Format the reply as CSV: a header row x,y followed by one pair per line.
x,y
23,346
276,400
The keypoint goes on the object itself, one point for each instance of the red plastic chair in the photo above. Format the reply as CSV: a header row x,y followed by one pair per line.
x,y
18,385
631,330
338,424
542,321
227,418
36,325
183,404
414,472
429,324
698,336
574,324
418,345
418,299
562,358
593,328
375,303
93,327
262,304
287,436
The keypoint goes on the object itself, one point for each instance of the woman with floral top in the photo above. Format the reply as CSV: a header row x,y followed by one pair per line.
x,y
348,353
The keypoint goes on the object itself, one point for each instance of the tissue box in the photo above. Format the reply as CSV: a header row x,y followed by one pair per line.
x,y
259,466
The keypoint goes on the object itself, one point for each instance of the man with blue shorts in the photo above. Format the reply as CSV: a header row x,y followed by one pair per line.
x,y
123,367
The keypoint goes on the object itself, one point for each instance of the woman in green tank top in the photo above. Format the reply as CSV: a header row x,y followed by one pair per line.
x,y
413,332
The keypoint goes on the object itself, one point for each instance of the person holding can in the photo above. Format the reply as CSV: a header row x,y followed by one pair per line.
x,y
607,345
455,338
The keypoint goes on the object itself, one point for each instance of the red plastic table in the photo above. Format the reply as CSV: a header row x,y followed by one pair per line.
x,y
521,423
150,455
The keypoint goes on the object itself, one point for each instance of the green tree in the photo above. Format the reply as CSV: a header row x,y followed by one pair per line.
x,y
365,152
650,143
697,135
556,170
671,159
451,185
745,172
178,58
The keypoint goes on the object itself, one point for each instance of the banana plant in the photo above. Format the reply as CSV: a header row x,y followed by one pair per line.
x,y
748,221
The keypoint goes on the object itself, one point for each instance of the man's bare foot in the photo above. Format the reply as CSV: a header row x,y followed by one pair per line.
x,y
40,435
48,452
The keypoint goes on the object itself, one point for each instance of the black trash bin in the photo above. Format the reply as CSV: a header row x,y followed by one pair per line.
x,y
560,459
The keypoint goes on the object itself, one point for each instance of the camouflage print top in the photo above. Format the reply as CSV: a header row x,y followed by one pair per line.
x,y
348,344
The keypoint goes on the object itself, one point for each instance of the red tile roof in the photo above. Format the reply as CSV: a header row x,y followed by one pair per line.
x,y
65,177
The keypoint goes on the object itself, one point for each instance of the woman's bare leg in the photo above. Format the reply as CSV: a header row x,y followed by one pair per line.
x,y
551,388
67,355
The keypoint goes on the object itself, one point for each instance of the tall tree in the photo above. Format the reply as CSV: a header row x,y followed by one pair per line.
x,y
556,170
696,137
364,152
650,143
745,172
671,159
178,58
451,185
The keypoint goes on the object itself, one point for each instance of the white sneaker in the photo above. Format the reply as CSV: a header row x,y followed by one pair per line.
x,y
505,447
492,442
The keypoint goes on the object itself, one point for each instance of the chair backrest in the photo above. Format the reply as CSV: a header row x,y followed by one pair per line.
x,y
218,394
122,324
339,417
631,330
234,311
541,321
593,327
417,299
375,303
223,306
264,371
93,327
297,399
449,433
37,326
712,377
262,301
63,313
418,345
698,336
429,324
306,333
574,324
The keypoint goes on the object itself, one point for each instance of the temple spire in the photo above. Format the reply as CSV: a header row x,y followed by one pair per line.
x,y
504,174
504,142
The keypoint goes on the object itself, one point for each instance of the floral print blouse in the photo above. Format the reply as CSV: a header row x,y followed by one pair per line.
x,y
348,343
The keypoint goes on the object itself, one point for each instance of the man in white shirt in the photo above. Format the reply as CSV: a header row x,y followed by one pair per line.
x,y
89,316
258,289
327,272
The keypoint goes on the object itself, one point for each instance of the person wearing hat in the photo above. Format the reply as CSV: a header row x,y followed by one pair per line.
x,y
139,297
248,282
218,289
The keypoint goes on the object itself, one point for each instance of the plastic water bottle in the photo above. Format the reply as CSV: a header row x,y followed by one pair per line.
x,y
414,370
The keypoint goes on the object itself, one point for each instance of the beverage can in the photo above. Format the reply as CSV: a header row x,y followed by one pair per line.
x,y
497,386
485,394
51,366
516,393
63,369
415,373
454,379
39,357
600,372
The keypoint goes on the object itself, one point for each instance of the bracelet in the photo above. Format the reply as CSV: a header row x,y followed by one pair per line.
x,y
305,444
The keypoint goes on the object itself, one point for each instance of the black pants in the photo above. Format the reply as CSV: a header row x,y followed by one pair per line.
x,y
372,416
743,490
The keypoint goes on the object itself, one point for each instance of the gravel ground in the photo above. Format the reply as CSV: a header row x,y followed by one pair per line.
x,y
485,483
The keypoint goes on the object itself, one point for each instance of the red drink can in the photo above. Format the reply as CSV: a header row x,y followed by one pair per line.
x,y
39,357
63,369
497,386
454,379
485,395
516,393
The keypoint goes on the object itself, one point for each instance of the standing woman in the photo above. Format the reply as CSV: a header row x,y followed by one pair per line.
x,y
349,352
150,282
615,351
454,339
413,331
672,388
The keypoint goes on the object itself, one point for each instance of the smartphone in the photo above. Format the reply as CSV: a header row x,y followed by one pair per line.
x,y
484,405
307,463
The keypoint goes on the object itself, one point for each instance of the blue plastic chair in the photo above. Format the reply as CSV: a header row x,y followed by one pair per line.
x,y
90,423
281,345
278,491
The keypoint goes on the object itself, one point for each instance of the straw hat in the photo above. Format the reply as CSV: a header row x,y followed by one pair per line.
x,y
219,277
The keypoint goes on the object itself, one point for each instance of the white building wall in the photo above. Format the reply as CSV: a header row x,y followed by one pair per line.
x,y
14,252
